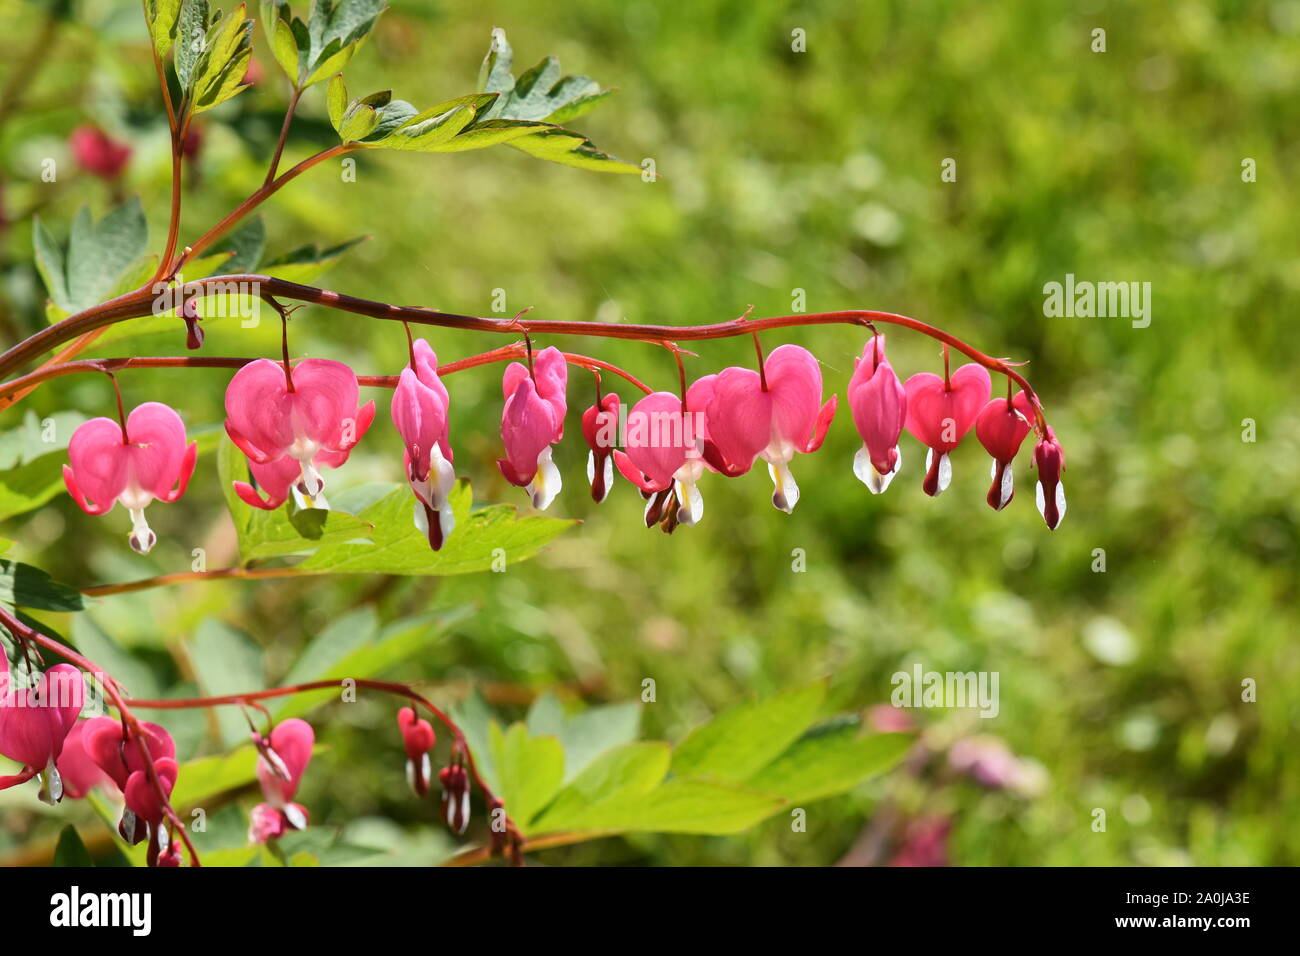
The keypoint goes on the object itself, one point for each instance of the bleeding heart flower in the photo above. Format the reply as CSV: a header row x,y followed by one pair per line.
x,y
282,760
939,413
35,723
748,419
455,796
419,412
312,419
1049,458
662,453
76,767
135,464
98,153
142,797
600,430
418,738
118,755
533,419
879,405
280,770
1001,427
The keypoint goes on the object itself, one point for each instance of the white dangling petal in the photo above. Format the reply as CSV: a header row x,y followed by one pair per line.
x,y
442,479
142,538
691,508
945,469
1060,502
546,483
785,493
1008,483
464,811
591,467
421,519
294,816
51,791
317,501
867,474
312,483
1040,499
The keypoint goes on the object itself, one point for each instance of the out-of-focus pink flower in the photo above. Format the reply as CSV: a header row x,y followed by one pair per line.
x,y
78,769
193,142
253,74
1049,458
879,405
663,452
533,420
1001,427
419,412
148,459
600,431
888,719
35,722
747,421
924,843
418,738
316,423
281,763
98,153
939,413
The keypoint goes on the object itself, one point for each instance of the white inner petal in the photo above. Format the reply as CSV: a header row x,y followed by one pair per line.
x,y
785,493
691,508
546,483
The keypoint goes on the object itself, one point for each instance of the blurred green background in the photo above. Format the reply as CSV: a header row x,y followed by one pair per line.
x,y
783,170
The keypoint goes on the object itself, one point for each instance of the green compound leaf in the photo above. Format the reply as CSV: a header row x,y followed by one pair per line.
x,y
86,271
742,740
22,585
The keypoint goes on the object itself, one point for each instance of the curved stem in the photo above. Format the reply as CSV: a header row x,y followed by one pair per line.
x,y
284,135
27,383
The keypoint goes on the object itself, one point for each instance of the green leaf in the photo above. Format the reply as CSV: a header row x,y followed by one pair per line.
x,y
680,806
276,24
88,269
529,770
568,148
742,740
22,585
332,34
423,131
286,530
830,760
200,781
226,661
70,851
541,93
624,773
588,733
354,647
336,100
191,40
527,112
481,539
220,70
306,263
162,23
29,486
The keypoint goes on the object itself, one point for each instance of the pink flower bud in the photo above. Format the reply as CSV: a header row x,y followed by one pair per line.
x,y
418,738
600,430
280,771
35,722
879,405
1001,427
419,412
1049,459
455,796
533,420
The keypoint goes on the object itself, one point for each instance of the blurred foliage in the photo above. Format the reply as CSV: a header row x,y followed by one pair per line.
x,y
781,170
